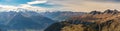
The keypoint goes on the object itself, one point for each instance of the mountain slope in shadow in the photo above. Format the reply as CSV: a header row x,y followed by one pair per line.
x,y
24,21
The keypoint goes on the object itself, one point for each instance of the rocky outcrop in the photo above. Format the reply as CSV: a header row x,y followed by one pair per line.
x,y
95,12
111,11
108,11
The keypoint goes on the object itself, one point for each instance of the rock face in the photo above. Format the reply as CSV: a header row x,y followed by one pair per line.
x,y
108,11
111,11
106,21
95,12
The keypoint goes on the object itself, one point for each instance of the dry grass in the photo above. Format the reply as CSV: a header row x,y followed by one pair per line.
x,y
99,22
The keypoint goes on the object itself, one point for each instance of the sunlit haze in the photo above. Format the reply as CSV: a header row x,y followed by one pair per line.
x,y
60,5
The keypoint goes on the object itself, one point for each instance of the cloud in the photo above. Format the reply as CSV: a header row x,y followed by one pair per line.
x,y
37,2
104,0
41,5
7,8
29,7
26,7
88,5
71,5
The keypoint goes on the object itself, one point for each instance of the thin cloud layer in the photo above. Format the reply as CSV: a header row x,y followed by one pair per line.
x,y
36,5
89,5
70,5
37,2
105,0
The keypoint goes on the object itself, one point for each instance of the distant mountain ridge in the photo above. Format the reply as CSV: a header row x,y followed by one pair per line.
x,y
62,15
108,11
23,21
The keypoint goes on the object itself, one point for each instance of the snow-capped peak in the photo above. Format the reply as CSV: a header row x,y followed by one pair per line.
x,y
5,8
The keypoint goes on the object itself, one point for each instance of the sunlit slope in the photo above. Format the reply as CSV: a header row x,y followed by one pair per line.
x,y
93,21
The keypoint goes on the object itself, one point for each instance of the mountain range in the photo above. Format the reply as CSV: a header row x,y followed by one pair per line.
x,y
23,21
109,20
62,15
26,20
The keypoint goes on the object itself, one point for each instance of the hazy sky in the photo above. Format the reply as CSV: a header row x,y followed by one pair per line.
x,y
62,5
